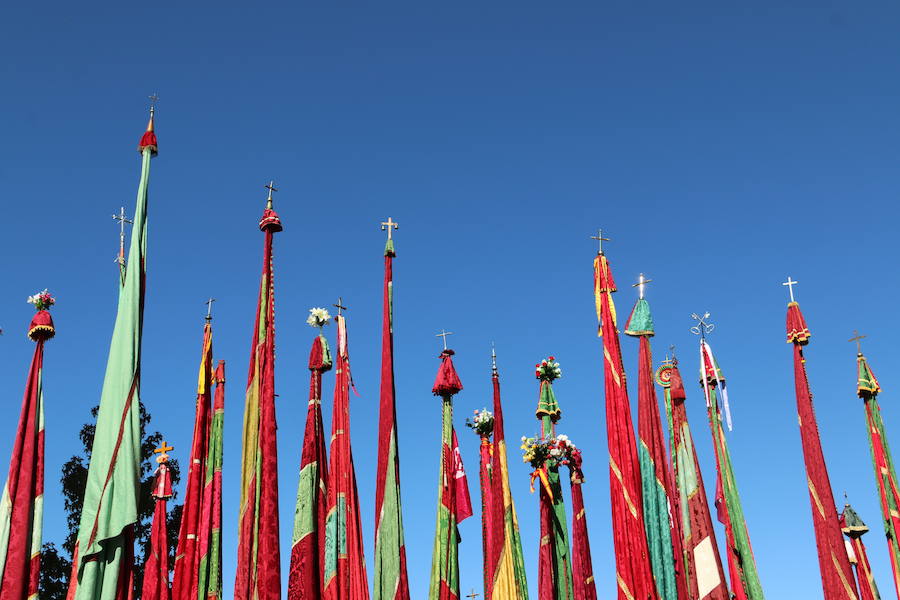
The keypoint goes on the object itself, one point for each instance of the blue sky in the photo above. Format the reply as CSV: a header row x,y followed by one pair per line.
x,y
722,147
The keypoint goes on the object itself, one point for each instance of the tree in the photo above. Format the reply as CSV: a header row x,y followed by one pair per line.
x,y
56,565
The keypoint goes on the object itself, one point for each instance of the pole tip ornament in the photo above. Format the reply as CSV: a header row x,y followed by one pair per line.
x,y
797,331
148,140
319,354
41,327
270,220
640,322
866,383
447,382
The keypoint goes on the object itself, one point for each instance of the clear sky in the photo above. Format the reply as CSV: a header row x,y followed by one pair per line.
x,y
722,147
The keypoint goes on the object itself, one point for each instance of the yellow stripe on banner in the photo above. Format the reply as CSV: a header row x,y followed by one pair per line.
x,y
837,567
545,540
624,587
618,474
815,496
612,366
580,515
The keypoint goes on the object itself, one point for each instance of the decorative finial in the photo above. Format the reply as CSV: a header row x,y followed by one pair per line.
x,y
600,239
856,338
493,358
472,594
702,327
790,284
444,334
123,220
162,450
674,357
640,285
208,304
340,305
154,98
271,187
389,225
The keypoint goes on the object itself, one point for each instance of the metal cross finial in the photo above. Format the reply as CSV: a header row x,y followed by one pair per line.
x,y
154,98
390,225
472,594
208,304
340,305
493,358
164,447
856,338
444,333
640,285
271,187
123,220
600,239
790,284
674,357
702,327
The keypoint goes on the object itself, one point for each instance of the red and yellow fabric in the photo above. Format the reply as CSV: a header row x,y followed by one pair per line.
x,y
305,580
390,582
885,474
156,568
258,574
505,561
488,528
854,528
344,564
834,566
209,584
703,564
634,576
186,578
22,504
454,504
582,570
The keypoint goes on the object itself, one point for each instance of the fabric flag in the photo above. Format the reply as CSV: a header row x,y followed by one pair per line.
x,y
703,565
506,563
482,424
634,575
209,583
855,528
582,569
885,474
745,582
187,560
345,566
662,530
22,505
103,559
454,504
308,549
258,575
837,576
156,567
554,558
390,551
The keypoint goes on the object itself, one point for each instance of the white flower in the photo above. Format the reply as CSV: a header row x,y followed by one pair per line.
x,y
554,452
524,439
318,317
562,437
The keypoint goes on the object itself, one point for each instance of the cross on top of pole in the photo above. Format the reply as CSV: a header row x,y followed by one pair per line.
x,y
790,285
154,98
340,305
443,334
390,225
640,285
163,452
600,239
208,304
123,220
856,338
271,187
472,594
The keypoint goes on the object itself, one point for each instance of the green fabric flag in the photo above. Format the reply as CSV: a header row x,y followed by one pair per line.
x,y
104,552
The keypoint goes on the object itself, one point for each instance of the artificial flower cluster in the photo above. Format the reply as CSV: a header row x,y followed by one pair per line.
x,y
318,317
42,300
552,452
482,422
547,369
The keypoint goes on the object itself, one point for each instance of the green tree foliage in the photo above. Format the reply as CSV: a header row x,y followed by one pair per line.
x,y
56,564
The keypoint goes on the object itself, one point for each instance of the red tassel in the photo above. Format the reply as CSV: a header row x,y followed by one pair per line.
x,y
148,140
796,325
447,382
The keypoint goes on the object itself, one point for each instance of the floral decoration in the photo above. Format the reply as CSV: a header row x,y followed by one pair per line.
x,y
550,452
318,317
548,369
42,300
481,422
